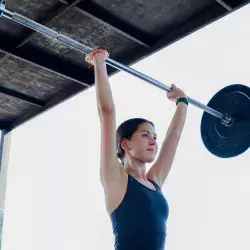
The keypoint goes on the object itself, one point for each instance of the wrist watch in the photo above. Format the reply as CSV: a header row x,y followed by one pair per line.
x,y
182,99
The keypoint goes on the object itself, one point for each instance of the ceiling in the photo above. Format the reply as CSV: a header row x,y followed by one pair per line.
x,y
37,73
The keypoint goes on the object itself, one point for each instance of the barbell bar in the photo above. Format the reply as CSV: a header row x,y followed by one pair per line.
x,y
225,133
226,119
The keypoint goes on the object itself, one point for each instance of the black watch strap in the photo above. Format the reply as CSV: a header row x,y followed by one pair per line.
x,y
182,99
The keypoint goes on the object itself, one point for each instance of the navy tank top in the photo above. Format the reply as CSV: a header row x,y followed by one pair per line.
x,y
139,222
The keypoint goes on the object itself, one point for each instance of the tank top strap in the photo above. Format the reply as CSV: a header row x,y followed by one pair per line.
x,y
156,185
130,178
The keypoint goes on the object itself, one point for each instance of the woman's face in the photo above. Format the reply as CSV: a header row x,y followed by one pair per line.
x,y
143,145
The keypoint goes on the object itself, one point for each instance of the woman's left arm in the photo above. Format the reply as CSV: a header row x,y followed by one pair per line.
x,y
160,169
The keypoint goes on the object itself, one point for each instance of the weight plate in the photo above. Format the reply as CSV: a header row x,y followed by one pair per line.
x,y
228,141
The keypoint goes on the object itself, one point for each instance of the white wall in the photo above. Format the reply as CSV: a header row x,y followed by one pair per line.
x,y
54,197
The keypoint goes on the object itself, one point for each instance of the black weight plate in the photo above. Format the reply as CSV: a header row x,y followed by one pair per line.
x,y
228,141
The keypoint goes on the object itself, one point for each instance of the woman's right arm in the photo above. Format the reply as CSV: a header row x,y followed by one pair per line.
x,y
110,169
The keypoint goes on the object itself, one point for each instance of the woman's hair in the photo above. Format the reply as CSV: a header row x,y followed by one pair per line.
x,y
126,130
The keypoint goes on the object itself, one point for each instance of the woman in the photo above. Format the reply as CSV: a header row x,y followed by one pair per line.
x,y
133,198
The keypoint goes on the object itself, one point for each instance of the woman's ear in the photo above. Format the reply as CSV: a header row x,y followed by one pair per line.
x,y
125,145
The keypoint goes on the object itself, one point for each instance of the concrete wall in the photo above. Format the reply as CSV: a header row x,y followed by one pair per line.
x,y
6,141
4,168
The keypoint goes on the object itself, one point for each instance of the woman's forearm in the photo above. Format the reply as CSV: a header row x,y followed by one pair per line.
x,y
178,120
103,90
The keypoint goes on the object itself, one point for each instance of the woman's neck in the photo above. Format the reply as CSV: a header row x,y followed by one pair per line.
x,y
136,169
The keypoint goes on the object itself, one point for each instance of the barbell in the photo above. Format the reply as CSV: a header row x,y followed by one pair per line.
x,y
225,124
